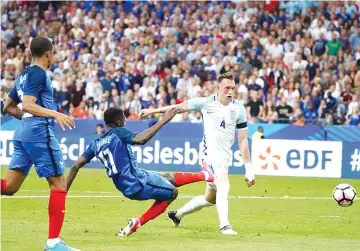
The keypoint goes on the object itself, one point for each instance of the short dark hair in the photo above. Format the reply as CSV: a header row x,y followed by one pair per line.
x,y
40,45
227,75
112,115
101,125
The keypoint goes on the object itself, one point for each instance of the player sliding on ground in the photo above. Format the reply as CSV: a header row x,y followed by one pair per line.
x,y
34,140
222,114
113,149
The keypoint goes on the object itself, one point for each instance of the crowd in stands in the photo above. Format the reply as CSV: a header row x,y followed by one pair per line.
x,y
294,62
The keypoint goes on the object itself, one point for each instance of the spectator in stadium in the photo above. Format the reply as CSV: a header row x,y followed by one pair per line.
x,y
333,47
354,118
7,86
100,130
269,115
312,114
78,92
196,118
300,121
255,107
94,89
64,98
353,104
106,82
287,50
132,114
284,111
355,39
259,134
80,111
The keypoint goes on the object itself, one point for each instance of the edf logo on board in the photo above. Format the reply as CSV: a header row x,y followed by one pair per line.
x,y
308,158
297,158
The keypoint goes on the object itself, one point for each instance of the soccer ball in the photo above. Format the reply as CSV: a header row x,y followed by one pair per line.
x,y
344,195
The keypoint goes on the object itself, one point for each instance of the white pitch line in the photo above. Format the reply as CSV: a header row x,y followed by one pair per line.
x,y
72,191
180,196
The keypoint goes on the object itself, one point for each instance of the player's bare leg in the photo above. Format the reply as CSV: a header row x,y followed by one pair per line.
x,y
154,211
12,181
56,210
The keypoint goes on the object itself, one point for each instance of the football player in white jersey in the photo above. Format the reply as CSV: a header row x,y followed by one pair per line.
x,y
222,115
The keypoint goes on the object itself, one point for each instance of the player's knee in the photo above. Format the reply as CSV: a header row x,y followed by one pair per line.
x,y
211,200
170,178
175,193
10,191
210,197
57,182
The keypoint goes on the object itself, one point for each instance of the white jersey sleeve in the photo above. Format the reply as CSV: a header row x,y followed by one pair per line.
x,y
196,104
241,122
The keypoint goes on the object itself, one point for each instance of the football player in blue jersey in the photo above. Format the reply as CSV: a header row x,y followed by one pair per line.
x,y
34,139
114,150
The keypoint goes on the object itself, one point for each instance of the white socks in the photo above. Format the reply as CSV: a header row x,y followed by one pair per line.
x,y
52,242
192,206
222,204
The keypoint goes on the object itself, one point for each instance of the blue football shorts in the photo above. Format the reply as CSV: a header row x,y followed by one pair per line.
x,y
156,188
46,156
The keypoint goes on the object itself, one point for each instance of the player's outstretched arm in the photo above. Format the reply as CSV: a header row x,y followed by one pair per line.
x,y
31,107
12,108
183,107
245,153
145,136
74,170
190,105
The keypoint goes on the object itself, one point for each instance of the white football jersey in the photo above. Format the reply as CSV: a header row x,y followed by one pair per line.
x,y
220,123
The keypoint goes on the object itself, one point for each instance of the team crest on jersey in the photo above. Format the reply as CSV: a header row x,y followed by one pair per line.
x,y
232,114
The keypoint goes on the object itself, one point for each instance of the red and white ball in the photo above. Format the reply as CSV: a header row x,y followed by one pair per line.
x,y
344,195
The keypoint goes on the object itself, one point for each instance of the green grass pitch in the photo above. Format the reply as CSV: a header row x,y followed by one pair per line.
x,y
308,219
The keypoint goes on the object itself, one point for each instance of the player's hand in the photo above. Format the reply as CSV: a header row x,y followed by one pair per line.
x,y
145,113
64,120
170,114
250,179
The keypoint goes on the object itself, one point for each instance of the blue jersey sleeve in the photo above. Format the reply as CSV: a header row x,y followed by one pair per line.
x,y
13,95
36,81
125,134
89,153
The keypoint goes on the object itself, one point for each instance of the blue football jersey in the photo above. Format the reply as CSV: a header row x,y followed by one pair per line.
x,y
114,150
33,81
